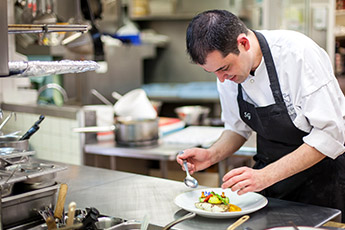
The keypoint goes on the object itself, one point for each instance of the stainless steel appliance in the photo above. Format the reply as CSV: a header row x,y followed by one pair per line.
x,y
27,185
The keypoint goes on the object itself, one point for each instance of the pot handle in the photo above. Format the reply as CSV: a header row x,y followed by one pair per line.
x,y
185,217
94,129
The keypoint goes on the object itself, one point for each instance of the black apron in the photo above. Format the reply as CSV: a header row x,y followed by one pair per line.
x,y
324,183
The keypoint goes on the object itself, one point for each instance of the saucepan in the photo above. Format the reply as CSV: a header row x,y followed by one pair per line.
x,y
129,131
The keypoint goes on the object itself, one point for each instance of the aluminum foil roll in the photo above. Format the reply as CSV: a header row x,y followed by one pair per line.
x,y
46,68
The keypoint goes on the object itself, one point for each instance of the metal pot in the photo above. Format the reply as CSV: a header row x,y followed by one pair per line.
x,y
14,142
136,132
130,132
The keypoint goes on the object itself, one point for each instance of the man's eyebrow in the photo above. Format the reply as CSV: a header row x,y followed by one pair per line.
x,y
220,68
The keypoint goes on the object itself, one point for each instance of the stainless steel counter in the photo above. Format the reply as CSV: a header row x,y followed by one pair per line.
x,y
163,152
131,196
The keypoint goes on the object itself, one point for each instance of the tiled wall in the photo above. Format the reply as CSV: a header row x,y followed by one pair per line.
x,y
53,141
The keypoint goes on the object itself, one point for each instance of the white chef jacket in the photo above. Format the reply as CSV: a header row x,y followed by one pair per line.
x,y
310,90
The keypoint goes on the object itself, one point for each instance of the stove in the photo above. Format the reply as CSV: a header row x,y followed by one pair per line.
x,y
27,186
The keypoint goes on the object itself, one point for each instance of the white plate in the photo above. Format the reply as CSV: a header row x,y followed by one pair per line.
x,y
249,202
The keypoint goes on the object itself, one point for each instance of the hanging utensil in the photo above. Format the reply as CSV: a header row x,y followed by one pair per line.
x,y
238,222
189,180
6,120
101,97
33,129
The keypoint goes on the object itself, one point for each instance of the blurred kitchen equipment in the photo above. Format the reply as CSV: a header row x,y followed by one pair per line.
x,y
104,118
7,119
33,129
192,115
106,222
14,142
53,86
189,180
238,222
14,157
92,10
94,129
34,183
81,43
45,68
44,28
20,206
44,14
136,132
91,218
135,104
101,97
61,201
27,15
71,212
139,8
129,132
145,223
116,95
185,217
51,225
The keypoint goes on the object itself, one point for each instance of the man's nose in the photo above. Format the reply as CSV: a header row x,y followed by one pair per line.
x,y
221,76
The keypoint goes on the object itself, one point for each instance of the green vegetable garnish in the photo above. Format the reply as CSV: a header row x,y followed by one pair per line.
x,y
220,198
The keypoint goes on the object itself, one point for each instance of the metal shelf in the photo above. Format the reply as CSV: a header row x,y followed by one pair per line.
x,y
163,17
45,28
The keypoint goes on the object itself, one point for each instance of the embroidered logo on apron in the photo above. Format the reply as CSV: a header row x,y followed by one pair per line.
x,y
247,115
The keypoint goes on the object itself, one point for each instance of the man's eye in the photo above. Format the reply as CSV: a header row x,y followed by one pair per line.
x,y
226,69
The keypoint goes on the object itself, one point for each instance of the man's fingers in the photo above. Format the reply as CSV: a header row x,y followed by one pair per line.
x,y
234,172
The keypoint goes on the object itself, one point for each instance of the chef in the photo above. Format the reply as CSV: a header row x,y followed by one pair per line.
x,y
281,85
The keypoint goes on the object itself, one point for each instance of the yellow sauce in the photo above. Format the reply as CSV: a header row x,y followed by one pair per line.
x,y
234,208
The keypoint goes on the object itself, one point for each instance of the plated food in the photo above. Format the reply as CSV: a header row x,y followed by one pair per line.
x,y
213,202
249,202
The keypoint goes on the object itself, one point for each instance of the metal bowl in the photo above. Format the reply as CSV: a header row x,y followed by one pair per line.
x,y
193,115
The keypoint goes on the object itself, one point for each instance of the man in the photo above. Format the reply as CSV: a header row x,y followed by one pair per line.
x,y
281,85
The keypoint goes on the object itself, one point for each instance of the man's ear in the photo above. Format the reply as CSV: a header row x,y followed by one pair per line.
x,y
242,40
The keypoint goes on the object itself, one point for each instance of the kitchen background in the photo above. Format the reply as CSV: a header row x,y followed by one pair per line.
x,y
155,61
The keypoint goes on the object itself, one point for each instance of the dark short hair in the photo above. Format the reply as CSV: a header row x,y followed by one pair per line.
x,y
213,30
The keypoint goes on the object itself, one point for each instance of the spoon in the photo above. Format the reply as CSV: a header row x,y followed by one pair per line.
x,y
189,180
185,217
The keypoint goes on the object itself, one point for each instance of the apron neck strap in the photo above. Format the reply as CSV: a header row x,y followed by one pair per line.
x,y
271,69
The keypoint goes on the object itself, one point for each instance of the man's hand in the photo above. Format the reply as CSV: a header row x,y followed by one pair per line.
x,y
245,180
197,159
